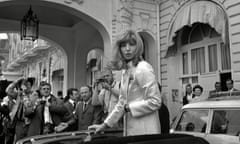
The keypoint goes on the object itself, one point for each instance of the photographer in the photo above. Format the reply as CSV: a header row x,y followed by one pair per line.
x,y
108,95
19,91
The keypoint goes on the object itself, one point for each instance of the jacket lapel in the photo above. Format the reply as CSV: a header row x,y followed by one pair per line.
x,y
71,106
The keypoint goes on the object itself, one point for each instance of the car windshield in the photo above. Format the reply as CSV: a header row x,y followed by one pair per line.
x,y
226,122
193,120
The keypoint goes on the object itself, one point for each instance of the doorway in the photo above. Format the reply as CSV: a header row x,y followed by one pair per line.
x,y
223,78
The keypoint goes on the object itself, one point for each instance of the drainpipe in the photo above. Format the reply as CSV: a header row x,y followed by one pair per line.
x,y
158,41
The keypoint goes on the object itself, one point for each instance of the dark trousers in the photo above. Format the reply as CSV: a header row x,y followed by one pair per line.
x,y
9,138
2,138
21,130
7,132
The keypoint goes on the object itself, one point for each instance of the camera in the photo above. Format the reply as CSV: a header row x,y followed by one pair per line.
x,y
101,80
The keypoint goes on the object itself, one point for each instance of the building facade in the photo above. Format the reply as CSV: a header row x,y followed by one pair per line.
x,y
186,41
199,45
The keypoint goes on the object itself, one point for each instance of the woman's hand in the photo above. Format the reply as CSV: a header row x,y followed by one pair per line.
x,y
98,128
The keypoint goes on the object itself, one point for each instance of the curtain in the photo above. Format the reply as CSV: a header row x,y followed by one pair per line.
x,y
225,56
212,56
198,60
185,63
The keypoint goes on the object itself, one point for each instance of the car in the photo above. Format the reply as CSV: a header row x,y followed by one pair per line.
x,y
84,135
216,119
111,137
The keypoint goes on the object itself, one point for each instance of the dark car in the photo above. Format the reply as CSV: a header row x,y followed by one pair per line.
x,y
111,137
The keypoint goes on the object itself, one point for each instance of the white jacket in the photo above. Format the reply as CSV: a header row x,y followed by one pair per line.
x,y
140,90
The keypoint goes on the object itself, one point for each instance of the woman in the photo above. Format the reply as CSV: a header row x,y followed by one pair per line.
x,y
197,90
139,98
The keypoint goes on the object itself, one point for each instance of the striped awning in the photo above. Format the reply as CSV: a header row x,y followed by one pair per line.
x,y
202,12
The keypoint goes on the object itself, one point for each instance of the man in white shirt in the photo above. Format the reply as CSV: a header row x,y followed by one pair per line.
x,y
108,95
54,112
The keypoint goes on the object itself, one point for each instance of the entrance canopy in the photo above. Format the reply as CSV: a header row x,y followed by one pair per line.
x,y
203,12
94,58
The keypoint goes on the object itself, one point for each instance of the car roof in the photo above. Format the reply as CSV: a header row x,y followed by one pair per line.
x,y
214,104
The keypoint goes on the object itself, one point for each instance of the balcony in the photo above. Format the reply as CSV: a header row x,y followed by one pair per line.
x,y
27,51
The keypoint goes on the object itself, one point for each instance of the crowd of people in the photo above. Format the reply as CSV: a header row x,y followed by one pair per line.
x,y
194,94
129,104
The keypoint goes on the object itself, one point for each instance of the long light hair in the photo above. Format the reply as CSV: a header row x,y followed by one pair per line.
x,y
130,36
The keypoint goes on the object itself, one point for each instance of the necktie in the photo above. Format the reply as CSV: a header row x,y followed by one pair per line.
x,y
84,106
74,105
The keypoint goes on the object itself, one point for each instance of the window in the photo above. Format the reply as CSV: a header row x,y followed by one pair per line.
x,y
212,57
226,122
225,56
202,52
198,60
185,80
185,63
3,44
193,120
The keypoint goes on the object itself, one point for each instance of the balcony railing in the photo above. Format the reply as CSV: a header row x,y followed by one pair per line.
x,y
25,50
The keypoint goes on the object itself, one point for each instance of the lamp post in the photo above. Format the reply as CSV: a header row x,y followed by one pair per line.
x,y
29,26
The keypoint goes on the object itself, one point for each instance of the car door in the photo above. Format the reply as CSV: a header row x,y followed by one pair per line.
x,y
225,126
193,122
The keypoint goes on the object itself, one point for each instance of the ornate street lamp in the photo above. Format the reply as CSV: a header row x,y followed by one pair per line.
x,y
29,26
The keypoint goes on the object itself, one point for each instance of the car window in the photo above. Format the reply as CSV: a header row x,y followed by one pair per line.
x,y
193,120
226,122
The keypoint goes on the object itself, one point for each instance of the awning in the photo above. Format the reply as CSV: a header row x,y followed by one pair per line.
x,y
203,12
94,57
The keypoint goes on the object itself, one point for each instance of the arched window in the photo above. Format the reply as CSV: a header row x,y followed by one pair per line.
x,y
202,51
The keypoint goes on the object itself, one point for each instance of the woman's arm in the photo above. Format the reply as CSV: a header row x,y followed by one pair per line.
x,y
146,80
117,112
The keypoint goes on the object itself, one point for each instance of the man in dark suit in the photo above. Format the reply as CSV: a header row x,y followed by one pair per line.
x,y
216,91
87,114
188,96
230,85
70,103
48,113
